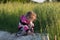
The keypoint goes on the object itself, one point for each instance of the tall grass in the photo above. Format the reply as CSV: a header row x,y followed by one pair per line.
x,y
22,1
48,17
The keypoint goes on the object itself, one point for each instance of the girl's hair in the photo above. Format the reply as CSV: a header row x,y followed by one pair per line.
x,y
30,14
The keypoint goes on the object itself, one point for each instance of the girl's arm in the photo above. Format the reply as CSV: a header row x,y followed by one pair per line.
x,y
24,20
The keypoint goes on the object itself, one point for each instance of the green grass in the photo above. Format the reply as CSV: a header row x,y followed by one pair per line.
x,y
10,13
48,17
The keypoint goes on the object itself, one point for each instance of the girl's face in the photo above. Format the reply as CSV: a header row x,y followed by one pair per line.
x,y
33,18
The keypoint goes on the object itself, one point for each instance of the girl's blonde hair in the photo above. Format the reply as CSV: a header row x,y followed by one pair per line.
x,y
30,14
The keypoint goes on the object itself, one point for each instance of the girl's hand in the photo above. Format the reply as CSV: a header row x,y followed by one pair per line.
x,y
30,33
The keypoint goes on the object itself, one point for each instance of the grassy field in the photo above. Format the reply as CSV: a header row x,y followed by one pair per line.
x,y
48,17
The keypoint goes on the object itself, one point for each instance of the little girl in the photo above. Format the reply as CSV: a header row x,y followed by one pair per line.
x,y
26,26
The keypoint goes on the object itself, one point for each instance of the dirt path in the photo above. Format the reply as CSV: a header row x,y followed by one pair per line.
x,y
7,36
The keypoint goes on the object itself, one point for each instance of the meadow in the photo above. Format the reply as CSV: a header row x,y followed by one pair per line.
x,y
48,17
